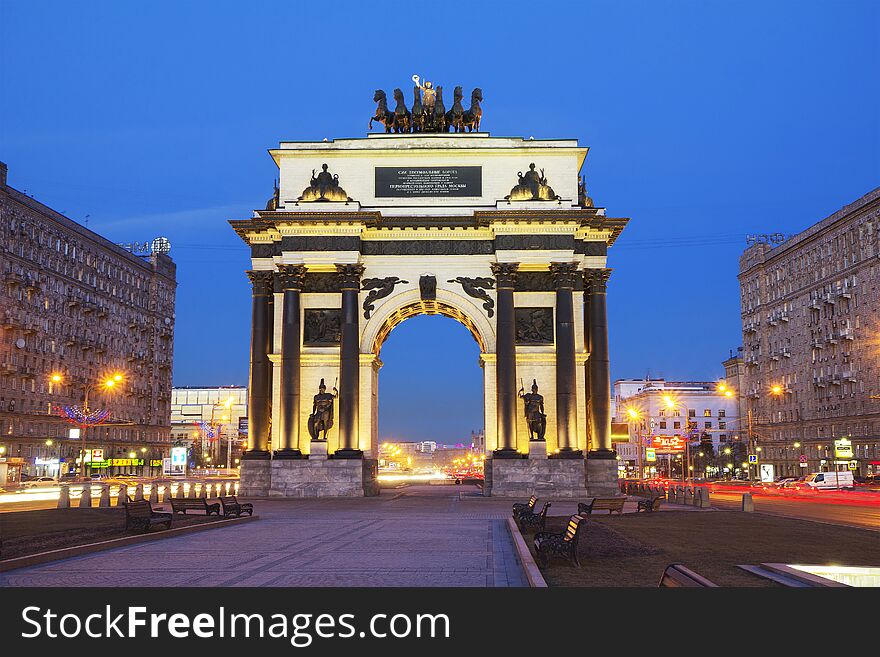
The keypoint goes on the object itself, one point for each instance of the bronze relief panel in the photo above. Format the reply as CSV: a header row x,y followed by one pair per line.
x,y
322,327
533,325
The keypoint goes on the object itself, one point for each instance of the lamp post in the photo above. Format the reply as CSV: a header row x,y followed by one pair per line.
x,y
85,418
633,415
672,404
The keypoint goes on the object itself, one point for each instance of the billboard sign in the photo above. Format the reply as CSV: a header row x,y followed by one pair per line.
x,y
768,473
668,443
843,449
178,461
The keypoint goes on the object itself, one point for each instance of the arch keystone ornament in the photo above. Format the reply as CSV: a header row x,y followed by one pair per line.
x,y
435,229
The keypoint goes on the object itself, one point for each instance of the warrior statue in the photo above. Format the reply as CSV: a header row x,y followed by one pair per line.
x,y
321,418
324,187
532,187
534,411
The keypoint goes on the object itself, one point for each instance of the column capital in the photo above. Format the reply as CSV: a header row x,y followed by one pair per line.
x,y
263,282
596,280
291,276
350,276
564,274
505,273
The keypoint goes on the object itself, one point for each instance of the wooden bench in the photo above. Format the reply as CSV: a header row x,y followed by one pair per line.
x,y
610,504
140,513
564,545
197,504
529,520
649,505
231,506
520,507
677,575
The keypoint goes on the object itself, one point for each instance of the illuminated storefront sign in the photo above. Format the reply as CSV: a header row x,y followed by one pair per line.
x,y
650,455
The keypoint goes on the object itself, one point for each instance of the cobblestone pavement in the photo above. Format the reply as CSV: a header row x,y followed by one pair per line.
x,y
414,536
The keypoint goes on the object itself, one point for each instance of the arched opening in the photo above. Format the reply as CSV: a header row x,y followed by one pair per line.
x,y
430,400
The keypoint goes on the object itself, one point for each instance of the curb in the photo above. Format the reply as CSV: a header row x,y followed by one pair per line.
x,y
530,568
89,548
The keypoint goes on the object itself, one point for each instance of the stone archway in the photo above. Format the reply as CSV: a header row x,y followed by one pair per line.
x,y
428,224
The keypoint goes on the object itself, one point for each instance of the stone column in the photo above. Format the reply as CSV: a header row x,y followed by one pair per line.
x,y
566,380
505,360
600,374
349,364
587,348
259,389
288,433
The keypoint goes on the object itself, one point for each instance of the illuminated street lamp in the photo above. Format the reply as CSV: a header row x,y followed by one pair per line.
x,y
633,415
83,416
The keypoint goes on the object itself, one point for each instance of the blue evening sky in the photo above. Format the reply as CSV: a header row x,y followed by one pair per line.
x,y
707,121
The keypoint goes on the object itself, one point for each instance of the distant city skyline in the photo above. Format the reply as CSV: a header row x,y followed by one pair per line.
x,y
140,123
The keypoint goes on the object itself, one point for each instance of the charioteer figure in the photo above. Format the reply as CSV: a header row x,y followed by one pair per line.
x,y
534,411
321,419
429,94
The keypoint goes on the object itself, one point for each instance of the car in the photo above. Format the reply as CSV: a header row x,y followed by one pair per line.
x,y
40,482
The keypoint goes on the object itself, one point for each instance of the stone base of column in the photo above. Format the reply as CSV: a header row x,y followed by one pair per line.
x,y
256,455
348,453
602,477
255,477
506,453
546,478
568,454
600,454
288,453
324,478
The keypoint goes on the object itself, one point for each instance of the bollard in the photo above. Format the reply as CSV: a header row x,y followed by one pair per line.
x,y
64,497
122,497
670,495
748,503
703,501
166,491
104,500
180,490
688,497
139,493
191,492
203,490
85,500
154,493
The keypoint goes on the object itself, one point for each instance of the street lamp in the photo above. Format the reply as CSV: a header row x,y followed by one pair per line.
x,y
672,404
633,415
84,417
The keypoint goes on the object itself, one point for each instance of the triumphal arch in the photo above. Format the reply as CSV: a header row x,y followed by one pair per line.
x,y
363,233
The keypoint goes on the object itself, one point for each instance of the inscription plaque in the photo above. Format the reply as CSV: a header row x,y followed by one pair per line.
x,y
412,182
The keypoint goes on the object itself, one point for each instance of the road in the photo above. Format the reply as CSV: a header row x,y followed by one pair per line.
x,y
807,508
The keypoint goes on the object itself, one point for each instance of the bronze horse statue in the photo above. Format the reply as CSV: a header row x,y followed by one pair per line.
x,y
471,118
401,113
385,117
418,111
455,116
439,122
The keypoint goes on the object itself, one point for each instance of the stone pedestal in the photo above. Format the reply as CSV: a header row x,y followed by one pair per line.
x,y
537,449
602,478
255,478
318,450
554,478
322,477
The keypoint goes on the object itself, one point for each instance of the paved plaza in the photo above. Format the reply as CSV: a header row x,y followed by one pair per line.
x,y
413,536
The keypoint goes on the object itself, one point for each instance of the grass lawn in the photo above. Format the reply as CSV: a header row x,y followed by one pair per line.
x,y
633,549
28,532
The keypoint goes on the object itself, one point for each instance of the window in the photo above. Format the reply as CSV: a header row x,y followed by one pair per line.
x,y
721,412
722,425
662,412
692,412
707,425
676,425
707,412
663,425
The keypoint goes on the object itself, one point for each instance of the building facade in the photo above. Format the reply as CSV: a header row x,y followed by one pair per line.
x,y
76,307
700,411
811,330
213,420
